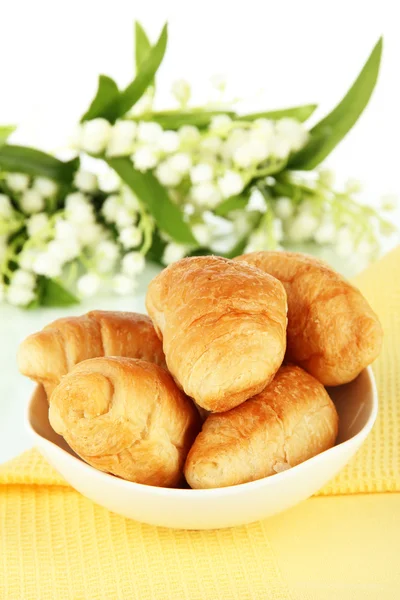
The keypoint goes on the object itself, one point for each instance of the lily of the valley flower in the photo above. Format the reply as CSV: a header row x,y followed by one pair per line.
x,y
167,175
37,224
145,158
95,135
6,209
122,138
180,162
88,285
206,194
110,208
31,202
19,296
201,172
189,136
47,263
78,208
221,124
45,187
86,181
130,237
173,252
123,285
133,263
256,202
230,184
17,182
169,142
283,207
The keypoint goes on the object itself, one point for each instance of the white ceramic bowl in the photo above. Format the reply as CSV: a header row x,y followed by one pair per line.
x,y
357,405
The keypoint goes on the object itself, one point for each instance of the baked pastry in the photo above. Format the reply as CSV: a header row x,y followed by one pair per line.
x,y
127,417
49,354
332,331
223,326
290,421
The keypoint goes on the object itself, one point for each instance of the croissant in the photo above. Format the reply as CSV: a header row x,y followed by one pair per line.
x,y
223,326
126,417
49,354
290,421
332,331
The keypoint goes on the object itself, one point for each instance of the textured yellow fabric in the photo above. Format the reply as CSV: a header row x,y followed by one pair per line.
x,y
340,547
30,468
376,467
55,544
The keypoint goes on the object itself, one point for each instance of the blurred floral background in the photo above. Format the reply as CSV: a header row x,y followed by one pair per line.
x,y
158,169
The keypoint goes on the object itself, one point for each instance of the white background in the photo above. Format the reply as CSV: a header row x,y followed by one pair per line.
x,y
51,53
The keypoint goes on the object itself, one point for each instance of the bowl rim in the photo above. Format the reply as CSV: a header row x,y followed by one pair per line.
x,y
210,492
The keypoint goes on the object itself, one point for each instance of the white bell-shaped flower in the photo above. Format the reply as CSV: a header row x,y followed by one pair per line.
x,y
45,186
17,182
88,285
180,162
122,138
95,136
31,202
38,225
47,264
145,158
123,285
130,237
201,172
167,176
230,184
206,194
133,263
6,208
86,181
173,252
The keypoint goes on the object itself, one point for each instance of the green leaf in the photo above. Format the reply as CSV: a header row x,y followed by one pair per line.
x,y
51,293
155,198
201,252
156,249
54,294
105,103
20,159
5,132
301,113
144,77
142,45
238,249
333,128
314,146
173,119
232,203
282,188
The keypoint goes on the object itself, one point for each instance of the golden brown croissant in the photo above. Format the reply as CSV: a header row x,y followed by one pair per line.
x,y
332,331
49,354
127,417
290,421
223,326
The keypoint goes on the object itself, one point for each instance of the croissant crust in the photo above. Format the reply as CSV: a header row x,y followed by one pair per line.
x,y
223,326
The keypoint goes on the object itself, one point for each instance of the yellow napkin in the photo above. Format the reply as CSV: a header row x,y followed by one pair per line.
x,y
340,547
376,467
55,544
